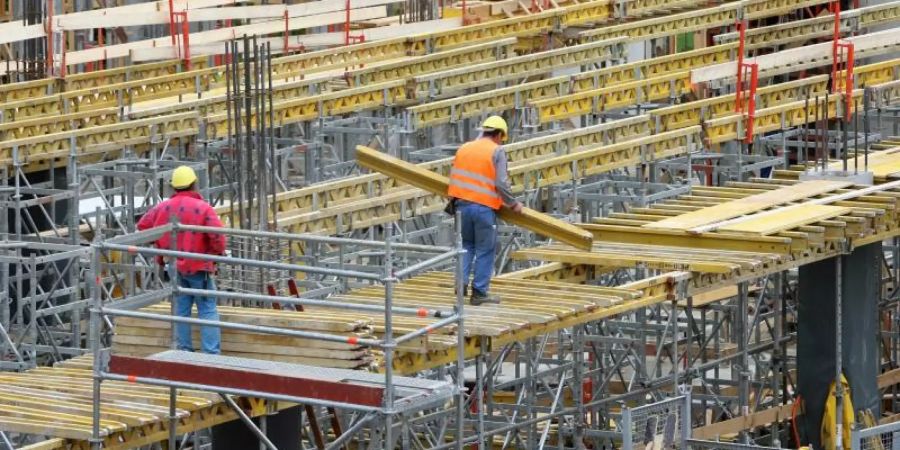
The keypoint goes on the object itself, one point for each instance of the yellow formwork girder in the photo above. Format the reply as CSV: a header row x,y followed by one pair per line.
x,y
497,100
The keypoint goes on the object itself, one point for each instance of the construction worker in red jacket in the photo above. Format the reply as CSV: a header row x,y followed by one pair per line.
x,y
189,207
480,184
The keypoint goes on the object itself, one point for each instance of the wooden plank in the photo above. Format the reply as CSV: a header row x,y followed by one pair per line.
x,y
438,184
750,421
784,219
882,164
747,205
889,378
50,444
706,298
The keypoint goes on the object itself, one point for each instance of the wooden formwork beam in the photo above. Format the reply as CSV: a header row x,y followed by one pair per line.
x,y
438,184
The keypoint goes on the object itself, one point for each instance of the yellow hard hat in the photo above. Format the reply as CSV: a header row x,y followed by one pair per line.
x,y
182,177
496,123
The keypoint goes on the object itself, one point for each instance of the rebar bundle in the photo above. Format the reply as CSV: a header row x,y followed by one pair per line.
x,y
420,10
250,136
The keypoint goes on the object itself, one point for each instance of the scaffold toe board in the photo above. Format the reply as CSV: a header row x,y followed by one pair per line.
x,y
219,373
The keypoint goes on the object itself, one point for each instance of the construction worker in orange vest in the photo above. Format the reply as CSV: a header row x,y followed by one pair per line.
x,y
479,183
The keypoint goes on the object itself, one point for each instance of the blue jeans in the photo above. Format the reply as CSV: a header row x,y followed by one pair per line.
x,y
479,238
206,309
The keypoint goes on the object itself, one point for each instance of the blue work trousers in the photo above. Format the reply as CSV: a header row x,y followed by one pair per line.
x,y
206,309
479,238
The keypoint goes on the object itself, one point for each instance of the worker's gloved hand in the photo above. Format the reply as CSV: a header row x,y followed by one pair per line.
x,y
517,208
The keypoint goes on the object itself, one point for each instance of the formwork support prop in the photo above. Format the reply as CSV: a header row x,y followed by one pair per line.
x,y
746,72
56,47
180,30
287,35
842,59
348,38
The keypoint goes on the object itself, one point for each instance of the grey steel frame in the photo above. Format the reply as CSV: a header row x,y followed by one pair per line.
x,y
133,244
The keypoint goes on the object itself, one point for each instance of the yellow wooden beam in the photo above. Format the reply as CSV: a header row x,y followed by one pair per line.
x,y
438,184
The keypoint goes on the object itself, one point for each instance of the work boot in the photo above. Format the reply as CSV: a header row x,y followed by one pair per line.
x,y
479,298
465,291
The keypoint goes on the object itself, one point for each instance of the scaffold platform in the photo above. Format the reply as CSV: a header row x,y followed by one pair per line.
x,y
281,381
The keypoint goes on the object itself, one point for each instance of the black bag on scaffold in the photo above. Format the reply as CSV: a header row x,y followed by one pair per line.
x,y
451,207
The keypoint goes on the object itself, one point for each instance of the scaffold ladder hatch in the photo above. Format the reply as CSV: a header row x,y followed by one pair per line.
x,y
842,59
745,104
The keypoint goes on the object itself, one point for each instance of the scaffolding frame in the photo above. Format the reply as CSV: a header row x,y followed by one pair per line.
x,y
135,244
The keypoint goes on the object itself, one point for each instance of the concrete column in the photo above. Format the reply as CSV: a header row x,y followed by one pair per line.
x,y
816,338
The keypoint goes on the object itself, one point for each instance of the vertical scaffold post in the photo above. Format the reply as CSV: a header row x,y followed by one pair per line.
x,y
460,338
389,344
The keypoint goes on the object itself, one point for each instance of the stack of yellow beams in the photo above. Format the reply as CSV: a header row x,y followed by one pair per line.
x,y
57,402
138,337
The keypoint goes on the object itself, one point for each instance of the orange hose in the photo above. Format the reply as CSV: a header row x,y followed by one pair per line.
x,y
794,419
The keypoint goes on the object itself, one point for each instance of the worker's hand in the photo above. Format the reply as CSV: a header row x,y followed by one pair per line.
x,y
517,208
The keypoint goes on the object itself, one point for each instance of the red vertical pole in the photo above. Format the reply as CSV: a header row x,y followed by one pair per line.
x,y
347,24
48,30
836,37
848,84
464,22
738,103
186,43
751,101
88,66
228,25
172,30
286,31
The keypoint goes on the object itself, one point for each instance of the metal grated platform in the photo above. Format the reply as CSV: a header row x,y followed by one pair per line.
x,y
350,387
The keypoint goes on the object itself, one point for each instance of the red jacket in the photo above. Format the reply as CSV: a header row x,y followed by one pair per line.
x,y
191,209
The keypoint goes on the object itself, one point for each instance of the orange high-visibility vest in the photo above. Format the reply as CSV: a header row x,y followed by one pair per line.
x,y
473,174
